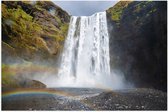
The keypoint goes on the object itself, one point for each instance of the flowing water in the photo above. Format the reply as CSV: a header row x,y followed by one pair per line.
x,y
85,59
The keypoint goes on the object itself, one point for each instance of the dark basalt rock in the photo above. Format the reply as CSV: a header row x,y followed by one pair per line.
x,y
87,99
133,99
22,83
138,43
32,84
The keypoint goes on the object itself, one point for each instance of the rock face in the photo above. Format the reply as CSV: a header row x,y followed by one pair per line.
x,y
23,83
24,75
33,30
138,34
32,84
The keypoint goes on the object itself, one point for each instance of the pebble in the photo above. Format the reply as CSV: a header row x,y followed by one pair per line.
x,y
116,104
97,103
120,107
126,106
52,108
30,109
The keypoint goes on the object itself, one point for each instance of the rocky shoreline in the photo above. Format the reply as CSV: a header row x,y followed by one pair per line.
x,y
87,99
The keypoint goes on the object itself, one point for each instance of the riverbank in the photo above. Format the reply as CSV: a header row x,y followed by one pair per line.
x,y
84,99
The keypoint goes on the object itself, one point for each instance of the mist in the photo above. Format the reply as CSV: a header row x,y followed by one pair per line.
x,y
79,65
48,74
75,67
114,81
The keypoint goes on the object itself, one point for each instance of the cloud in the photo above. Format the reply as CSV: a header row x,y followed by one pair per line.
x,y
84,8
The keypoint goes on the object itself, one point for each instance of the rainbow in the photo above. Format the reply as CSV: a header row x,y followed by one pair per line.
x,y
35,91
46,91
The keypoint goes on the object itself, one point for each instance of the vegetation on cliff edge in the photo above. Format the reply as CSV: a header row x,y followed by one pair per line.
x,y
32,30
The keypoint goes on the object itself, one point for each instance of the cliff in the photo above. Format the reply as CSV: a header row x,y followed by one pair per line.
x,y
32,30
138,40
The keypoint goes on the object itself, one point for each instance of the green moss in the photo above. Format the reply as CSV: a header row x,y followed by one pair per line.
x,y
8,76
39,8
25,33
117,10
138,8
23,23
153,10
58,34
64,29
141,5
3,66
23,28
6,44
58,20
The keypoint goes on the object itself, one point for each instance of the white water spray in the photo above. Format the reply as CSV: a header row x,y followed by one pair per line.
x,y
85,59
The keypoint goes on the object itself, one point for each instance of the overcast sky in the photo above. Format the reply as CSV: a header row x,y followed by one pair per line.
x,y
84,8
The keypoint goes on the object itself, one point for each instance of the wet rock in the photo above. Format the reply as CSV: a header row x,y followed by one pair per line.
x,y
138,42
32,84
126,100
133,99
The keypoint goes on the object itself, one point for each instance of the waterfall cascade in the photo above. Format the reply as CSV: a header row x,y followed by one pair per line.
x,y
85,59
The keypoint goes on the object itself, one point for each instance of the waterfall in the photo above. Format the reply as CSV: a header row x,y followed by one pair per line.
x,y
85,60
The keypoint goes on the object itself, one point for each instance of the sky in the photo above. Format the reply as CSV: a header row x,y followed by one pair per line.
x,y
84,8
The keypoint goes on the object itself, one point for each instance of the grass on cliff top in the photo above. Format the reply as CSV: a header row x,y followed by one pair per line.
x,y
141,5
21,24
117,10
23,32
